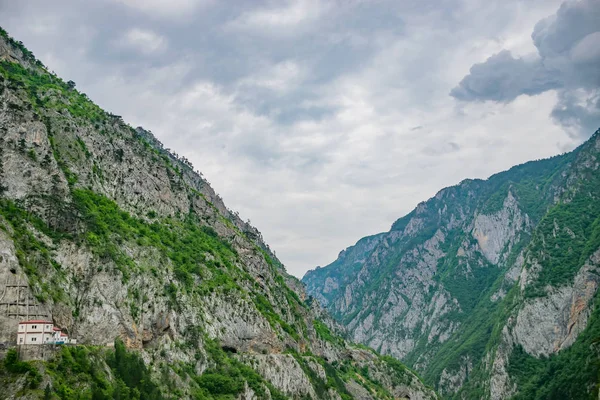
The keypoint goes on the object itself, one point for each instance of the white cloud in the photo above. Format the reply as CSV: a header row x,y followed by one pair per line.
x,y
275,20
144,41
164,8
281,77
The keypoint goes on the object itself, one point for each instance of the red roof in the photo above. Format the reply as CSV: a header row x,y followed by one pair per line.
x,y
35,321
63,334
56,329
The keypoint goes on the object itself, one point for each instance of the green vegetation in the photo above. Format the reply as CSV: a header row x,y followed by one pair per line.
x,y
32,155
193,249
14,366
400,375
324,333
340,270
468,290
27,55
79,373
291,298
266,308
567,235
202,261
46,91
530,183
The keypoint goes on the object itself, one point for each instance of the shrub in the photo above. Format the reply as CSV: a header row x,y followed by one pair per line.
x,y
219,384
13,365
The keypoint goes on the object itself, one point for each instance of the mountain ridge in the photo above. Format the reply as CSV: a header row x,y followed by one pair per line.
x,y
444,286
117,240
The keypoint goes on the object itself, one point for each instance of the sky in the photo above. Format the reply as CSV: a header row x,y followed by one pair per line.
x,y
324,121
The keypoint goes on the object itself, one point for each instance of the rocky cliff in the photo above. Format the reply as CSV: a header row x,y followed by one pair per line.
x,y
489,289
114,238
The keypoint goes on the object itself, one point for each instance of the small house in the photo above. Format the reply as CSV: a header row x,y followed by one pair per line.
x,y
41,332
35,331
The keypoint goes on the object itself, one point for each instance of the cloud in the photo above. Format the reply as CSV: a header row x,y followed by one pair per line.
x,y
144,41
578,110
503,78
163,9
567,60
566,42
275,20
281,77
302,114
587,51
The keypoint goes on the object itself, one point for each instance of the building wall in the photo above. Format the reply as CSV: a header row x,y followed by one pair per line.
x,y
35,333
36,327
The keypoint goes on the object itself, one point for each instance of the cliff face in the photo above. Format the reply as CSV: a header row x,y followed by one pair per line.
x,y
489,288
113,237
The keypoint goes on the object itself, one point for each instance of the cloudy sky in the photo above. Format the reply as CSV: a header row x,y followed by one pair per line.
x,y
324,121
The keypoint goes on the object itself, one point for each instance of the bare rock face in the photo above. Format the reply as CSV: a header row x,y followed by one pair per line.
x,y
248,394
501,386
292,382
357,391
497,231
549,324
450,382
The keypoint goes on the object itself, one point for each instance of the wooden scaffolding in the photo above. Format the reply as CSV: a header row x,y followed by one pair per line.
x,y
17,301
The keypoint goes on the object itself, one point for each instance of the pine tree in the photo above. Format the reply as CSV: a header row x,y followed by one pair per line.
x,y
47,392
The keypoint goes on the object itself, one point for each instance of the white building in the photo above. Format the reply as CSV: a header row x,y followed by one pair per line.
x,y
40,332
36,331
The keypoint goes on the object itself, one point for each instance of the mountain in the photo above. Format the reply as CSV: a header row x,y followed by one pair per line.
x,y
488,289
169,294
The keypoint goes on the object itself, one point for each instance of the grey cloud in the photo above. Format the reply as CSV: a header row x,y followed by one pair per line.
x,y
441,148
503,78
567,59
160,9
307,133
566,44
578,111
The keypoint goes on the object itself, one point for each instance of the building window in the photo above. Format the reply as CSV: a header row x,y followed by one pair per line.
x,y
20,340
33,339
34,327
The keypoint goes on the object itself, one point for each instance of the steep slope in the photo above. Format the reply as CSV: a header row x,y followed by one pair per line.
x,y
114,238
486,288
